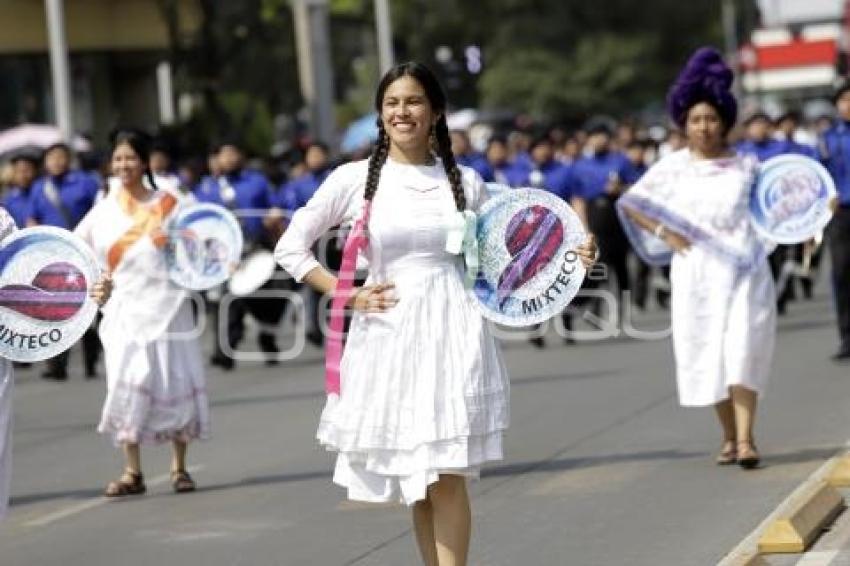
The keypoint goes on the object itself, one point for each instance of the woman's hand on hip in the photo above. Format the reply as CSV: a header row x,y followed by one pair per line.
x,y
374,298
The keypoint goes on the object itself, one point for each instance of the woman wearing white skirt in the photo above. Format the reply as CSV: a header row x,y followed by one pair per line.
x,y
423,397
156,390
100,293
723,300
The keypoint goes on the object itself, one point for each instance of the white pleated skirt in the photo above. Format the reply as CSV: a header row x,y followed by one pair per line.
x,y
724,327
424,392
156,391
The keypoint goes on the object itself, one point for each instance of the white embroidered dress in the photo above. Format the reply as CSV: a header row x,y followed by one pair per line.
x,y
723,302
156,389
7,382
424,389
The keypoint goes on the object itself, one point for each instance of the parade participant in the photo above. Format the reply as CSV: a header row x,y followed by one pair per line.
x,y
505,172
759,140
598,179
61,198
100,293
424,390
294,195
465,155
787,126
17,198
834,146
247,193
156,388
161,167
723,304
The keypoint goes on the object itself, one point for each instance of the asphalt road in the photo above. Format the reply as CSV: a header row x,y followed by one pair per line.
x,y
602,466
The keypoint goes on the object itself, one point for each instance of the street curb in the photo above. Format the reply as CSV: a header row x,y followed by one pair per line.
x,y
804,519
809,508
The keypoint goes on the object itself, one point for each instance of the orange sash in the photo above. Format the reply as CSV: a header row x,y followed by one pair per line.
x,y
147,221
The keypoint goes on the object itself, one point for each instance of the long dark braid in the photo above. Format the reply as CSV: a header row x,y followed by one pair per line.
x,y
376,161
444,148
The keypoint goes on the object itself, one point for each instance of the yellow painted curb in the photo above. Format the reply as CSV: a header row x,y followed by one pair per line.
x,y
839,473
798,526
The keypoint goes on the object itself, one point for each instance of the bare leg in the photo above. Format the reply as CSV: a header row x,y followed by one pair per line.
x,y
726,416
178,456
423,524
452,519
744,402
133,456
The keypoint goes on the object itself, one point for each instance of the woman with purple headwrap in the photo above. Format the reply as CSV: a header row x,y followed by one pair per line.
x,y
691,210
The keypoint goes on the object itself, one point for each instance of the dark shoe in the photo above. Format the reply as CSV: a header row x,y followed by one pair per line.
x,y
91,371
223,362
130,483
21,365
842,355
748,456
54,375
539,341
182,482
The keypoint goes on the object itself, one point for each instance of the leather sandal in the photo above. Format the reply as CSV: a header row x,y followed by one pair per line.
x,y
728,454
130,483
182,482
748,456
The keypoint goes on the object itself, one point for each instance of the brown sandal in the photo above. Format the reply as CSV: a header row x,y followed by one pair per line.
x,y
748,456
130,483
182,482
728,454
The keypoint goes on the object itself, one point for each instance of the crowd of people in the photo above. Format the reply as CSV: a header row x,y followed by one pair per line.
x,y
419,402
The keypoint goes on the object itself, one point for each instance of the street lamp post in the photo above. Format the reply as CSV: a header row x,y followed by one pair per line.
x,y
59,67
315,72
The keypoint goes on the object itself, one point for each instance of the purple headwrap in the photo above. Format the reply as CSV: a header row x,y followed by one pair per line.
x,y
705,78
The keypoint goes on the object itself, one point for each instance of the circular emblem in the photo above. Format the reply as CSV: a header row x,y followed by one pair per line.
x,y
204,246
790,200
529,270
45,277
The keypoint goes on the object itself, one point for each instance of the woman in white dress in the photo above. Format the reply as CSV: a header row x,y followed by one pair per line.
x,y
156,389
100,293
723,300
424,391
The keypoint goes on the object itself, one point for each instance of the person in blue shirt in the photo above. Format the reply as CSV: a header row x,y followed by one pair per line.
x,y
247,194
598,179
61,197
759,140
786,128
294,195
17,198
505,172
466,155
834,147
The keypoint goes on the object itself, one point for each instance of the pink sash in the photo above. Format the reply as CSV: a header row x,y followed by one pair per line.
x,y
356,241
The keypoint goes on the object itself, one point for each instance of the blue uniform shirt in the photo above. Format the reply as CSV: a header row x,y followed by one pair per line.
x,y
763,150
551,176
633,173
17,203
77,192
252,197
479,163
834,149
509,173
591,174
792,147
295,194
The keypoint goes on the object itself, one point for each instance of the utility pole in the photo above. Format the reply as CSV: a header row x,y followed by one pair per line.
x,y
730,37
315,71
383,25
59,67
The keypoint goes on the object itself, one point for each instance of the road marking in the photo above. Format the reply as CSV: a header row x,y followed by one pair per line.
x,y
77,508
819,558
